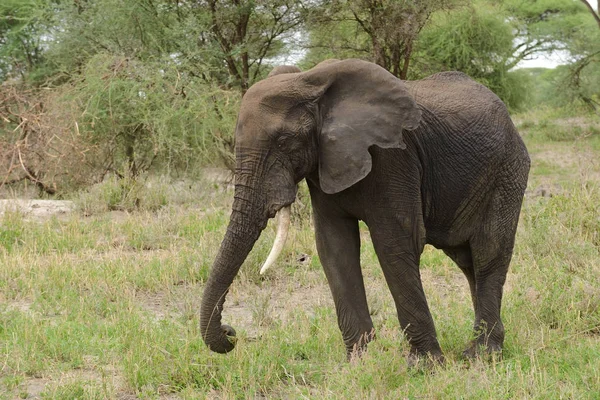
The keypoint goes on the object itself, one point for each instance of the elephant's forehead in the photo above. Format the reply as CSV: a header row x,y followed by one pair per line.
x,y
268,98
264,107
255,122
267,108
257,125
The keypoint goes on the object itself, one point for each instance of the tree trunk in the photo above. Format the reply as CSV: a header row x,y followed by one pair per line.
x,y
404,72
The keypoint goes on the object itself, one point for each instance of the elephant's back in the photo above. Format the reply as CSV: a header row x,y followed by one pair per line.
x,y
466,141
455,98
463,116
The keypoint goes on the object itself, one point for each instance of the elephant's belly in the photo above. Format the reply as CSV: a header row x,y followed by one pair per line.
x,y
443,240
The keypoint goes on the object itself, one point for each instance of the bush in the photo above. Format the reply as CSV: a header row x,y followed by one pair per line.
x,y
123,117
478,41
123,194
154,117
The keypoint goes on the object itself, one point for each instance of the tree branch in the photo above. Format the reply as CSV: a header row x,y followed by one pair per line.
x,y
592,11
223,42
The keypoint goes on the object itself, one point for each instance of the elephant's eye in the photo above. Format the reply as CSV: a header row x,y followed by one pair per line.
x,y
283,141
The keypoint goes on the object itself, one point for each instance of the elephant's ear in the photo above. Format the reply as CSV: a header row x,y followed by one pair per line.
x,y
361,104
284,69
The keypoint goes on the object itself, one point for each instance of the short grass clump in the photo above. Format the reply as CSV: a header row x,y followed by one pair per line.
x,y
104,303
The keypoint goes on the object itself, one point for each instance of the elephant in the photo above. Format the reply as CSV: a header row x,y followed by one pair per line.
x,y
436,161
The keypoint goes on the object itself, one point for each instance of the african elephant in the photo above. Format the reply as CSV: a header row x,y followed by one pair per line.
x,y
434,161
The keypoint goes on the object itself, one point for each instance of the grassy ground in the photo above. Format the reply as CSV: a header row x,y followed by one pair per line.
x,y
104,304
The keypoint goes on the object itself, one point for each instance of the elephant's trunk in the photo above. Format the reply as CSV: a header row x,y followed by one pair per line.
x,y
282,230
242,232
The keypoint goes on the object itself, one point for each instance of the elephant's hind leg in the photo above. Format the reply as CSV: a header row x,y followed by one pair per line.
x,y
490,275
463,258
492,282
491,250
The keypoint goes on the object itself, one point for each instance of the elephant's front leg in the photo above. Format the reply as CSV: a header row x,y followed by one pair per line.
x,y
398,247
338,244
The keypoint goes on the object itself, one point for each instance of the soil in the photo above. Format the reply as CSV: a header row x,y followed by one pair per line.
x,y
37,209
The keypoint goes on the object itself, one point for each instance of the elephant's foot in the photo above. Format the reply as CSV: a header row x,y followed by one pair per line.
x,y
485,351
355,351
425,361
487,343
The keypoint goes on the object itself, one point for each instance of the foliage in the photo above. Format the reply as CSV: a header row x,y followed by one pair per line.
x,y
573,28
380,30
201,37
148,112
485,39
124,87
543,25
584,48
475,40
559,87
249,32
142,83
340,39
24,26
122,117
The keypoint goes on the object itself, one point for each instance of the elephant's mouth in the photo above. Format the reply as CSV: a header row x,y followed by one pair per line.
x,y
280,199
275,208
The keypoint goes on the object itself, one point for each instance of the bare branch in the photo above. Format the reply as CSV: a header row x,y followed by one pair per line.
x,y
595,14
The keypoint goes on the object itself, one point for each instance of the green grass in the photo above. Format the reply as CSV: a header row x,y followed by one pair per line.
x,y
104,304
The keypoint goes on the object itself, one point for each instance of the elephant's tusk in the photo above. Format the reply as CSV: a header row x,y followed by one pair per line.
x,y
282,230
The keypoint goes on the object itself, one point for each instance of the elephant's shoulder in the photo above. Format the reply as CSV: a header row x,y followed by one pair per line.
x,y
451,80
452,89
452,76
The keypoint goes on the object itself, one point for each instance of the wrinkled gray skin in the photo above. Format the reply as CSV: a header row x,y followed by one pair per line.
x,y
434,161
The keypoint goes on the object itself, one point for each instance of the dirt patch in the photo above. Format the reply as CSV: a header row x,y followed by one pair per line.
x,y
581,122
40,387
450,284
564,158
257,307
174,303
108,377
568,157
569,164
544,190
248,306
253,308
37,209
35,387
21,305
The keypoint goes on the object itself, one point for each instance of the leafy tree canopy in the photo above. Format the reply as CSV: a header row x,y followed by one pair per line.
x,y
131,85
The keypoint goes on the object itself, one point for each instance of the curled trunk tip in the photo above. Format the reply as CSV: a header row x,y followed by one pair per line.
x,y
283,227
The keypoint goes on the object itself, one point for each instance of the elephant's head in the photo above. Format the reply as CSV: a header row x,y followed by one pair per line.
x,y
290,125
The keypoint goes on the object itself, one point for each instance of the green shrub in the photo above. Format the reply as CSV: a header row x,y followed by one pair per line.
x,y
147,116
11,224
123,194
